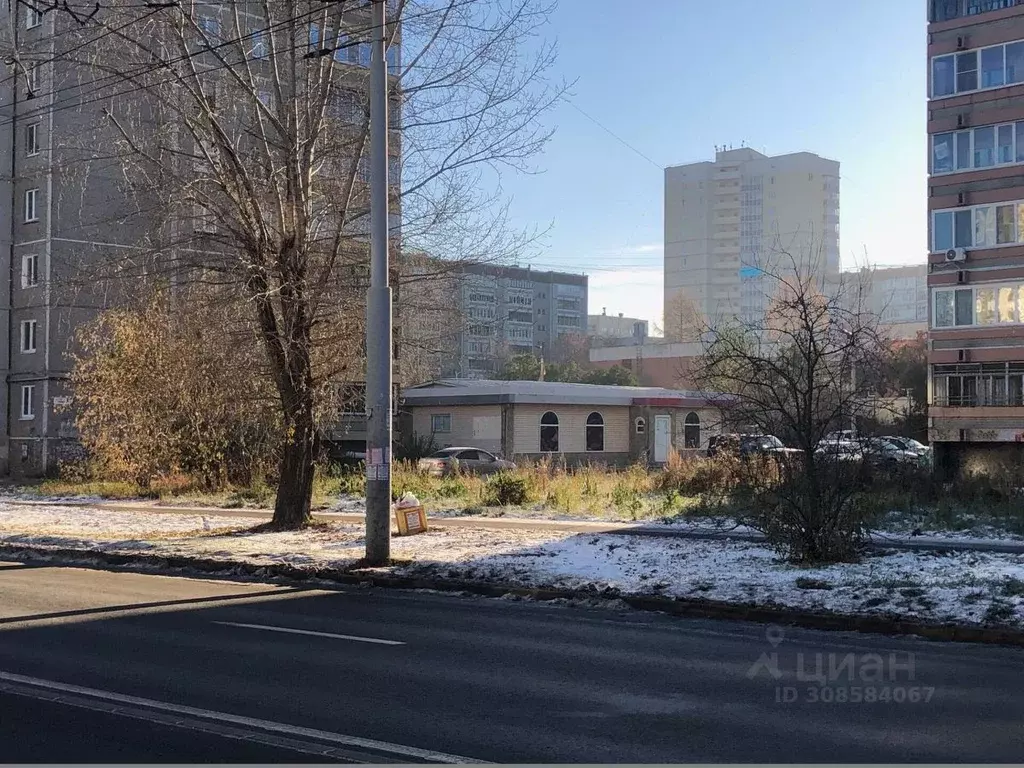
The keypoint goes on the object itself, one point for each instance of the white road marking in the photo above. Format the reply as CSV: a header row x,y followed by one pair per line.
x,y
291,631
249,722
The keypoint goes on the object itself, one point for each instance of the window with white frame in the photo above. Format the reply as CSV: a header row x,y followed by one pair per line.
x,y
31,205
260,47
978,305
32,75
440,423
28,336
977,70
986,146
28,404
32,139
29,270
33,16
979,226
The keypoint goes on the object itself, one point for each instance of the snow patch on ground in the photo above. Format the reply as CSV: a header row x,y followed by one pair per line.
x,y
961,587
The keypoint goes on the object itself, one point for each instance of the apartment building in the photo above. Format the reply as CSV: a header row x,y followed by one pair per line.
x,y
976,231
67,210
896,296
732,223
606,328
515,310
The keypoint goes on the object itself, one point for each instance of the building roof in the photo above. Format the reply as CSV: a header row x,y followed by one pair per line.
x,y
488,392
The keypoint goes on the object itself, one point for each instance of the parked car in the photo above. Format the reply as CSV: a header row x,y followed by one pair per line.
x,y
749,445
465,459
886,452
910,444
840,450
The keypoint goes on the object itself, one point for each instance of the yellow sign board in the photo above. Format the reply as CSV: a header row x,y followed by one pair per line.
x,y
410,520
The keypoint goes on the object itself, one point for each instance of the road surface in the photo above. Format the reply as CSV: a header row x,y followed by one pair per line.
x,y
100,666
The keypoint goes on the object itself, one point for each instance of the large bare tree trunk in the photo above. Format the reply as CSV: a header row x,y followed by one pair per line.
x,y
295,487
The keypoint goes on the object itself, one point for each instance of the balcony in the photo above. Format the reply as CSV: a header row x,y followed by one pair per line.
x,y
979,400
947,10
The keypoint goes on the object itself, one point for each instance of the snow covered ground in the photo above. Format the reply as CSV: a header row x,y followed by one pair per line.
x,y
962,587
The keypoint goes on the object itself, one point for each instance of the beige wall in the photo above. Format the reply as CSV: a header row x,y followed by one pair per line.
x,y
477,426
572,420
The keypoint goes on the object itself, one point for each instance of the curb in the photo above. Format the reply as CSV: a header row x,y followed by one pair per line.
x,y
682,607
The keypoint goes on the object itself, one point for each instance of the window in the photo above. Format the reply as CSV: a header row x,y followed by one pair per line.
x,y
595,432
32,139
985,306
942,153
28,407
1006,222
33,78
984,147
31,205
549,433
981,305
981,226
640,425
992,67
967,71
1004,144
963,307
394,63
29,270
363,54
28,336
959,73
33,16
440,423
691,431
210,26
260,47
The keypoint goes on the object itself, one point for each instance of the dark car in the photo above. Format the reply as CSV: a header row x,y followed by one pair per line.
x,y
749,445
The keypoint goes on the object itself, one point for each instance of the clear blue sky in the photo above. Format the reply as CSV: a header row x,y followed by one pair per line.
x,y
673,78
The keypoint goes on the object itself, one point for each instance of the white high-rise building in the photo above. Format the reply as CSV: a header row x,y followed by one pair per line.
x,y
733,223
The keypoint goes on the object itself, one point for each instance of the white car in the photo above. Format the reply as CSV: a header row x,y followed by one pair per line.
x,y
839,450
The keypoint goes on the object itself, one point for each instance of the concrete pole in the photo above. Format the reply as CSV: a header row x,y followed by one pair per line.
x,y
378,312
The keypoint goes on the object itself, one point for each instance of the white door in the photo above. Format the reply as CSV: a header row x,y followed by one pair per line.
x,y
662,438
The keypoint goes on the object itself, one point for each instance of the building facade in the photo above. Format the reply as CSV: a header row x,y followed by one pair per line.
x,y
509,311
605,327
897,296
732,223
976,231
576,423
68,207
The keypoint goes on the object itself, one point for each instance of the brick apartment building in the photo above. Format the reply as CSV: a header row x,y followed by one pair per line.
x,y
976,230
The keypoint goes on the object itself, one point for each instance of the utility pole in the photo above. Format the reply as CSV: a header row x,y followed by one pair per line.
x,y
378,311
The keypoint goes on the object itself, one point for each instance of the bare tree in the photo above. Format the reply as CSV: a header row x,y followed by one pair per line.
x,y
806,368
241,131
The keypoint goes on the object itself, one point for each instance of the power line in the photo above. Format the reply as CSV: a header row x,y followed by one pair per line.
x,y
614,135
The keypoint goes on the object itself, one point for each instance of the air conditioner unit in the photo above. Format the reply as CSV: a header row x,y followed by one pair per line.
x,y
963,355
961,42
962,120
956,254
963,277
961,198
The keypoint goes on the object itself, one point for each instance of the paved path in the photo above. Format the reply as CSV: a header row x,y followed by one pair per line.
x,y
101,666
881,541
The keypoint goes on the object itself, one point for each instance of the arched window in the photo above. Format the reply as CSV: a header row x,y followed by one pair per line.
x,y
691,431
549,432
595,432
641,425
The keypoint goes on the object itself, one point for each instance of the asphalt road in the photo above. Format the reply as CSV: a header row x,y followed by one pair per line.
x,y
99,666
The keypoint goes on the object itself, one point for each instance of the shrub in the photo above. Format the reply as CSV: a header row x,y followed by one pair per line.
x,y
504,489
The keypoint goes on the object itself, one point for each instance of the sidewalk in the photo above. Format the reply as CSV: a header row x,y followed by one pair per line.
x,y
656,530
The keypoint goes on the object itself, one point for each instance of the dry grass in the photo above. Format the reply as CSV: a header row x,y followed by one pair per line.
x,y
629,493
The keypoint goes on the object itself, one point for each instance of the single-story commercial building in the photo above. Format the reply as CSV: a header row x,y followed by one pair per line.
x,y
580,422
